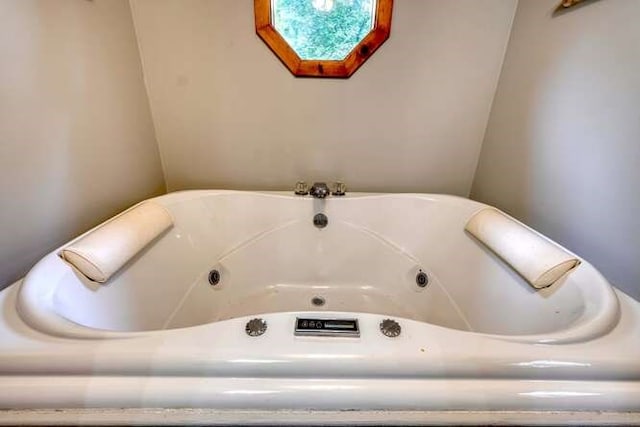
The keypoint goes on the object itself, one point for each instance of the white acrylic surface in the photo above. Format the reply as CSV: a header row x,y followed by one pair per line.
x,y
272,259
477,337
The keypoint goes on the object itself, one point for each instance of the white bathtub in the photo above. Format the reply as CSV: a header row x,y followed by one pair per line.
x,y
477,341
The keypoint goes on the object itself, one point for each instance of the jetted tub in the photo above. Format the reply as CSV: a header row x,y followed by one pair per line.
x,y
416,321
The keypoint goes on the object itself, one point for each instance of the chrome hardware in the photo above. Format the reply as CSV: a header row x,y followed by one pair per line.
x,y
320,220
319,190
390,328
301,189
214,277
256,327
422,279
340,189
318,301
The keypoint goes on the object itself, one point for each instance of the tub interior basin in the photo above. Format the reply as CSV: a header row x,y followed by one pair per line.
x,y
235,254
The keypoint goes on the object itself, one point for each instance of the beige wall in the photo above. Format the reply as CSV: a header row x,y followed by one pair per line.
x,y
76,139
562,149
229,115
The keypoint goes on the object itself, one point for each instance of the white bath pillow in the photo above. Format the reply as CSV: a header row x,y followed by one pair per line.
x,y
105,250
535,258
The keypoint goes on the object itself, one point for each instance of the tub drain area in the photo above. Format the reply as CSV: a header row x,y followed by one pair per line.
x,y
318,301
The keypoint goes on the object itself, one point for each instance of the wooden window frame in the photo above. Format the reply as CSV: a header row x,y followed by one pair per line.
x,y
323,68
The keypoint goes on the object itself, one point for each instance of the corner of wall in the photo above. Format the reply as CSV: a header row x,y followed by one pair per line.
x,y
495,91
146,90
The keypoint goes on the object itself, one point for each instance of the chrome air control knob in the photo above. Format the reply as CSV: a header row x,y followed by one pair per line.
x,y
256,327
390,328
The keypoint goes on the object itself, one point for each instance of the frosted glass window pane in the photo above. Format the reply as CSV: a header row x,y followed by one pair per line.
x,y
323,29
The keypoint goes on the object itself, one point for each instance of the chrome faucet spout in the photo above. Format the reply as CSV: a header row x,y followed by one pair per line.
x,y
319,190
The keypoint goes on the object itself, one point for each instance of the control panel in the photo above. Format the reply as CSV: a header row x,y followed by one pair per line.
x,y
318,327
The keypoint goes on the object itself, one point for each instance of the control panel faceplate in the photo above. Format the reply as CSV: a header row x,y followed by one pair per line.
x,y
318,327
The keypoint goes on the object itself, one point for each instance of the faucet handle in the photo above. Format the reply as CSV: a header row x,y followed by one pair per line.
x,y
301,189
340,189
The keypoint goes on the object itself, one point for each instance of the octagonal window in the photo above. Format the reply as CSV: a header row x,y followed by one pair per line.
x,y
323,38
323,29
